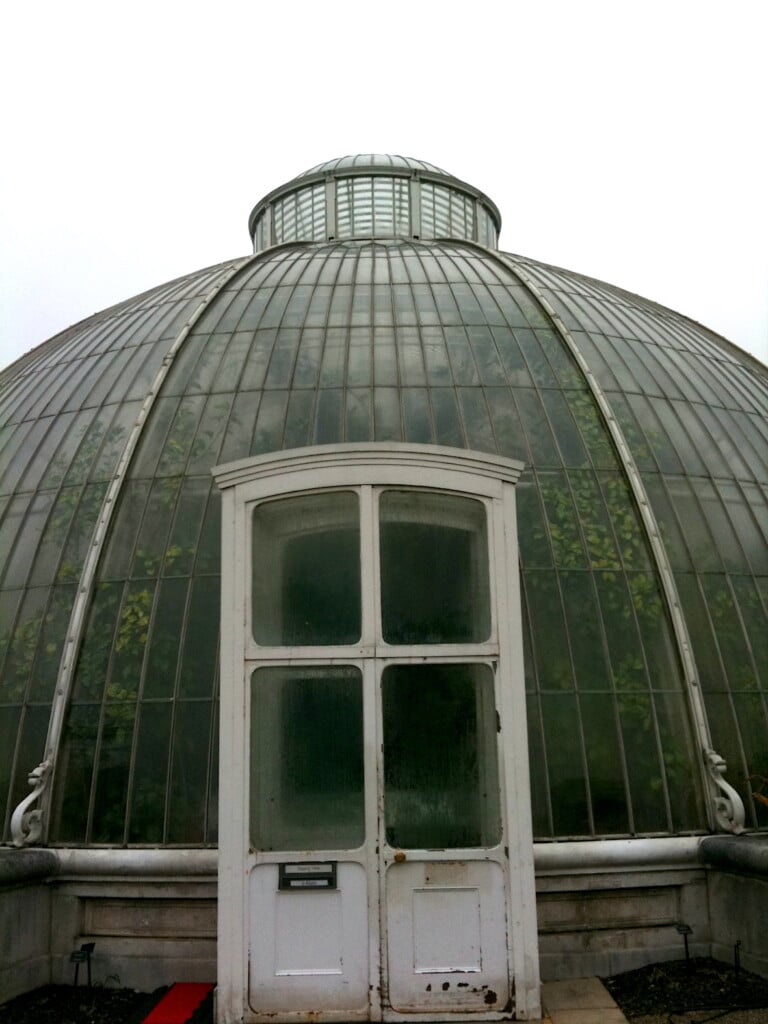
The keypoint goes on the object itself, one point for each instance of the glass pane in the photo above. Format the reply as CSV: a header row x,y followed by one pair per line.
x,y
9,730
112,773
307,758
566,770
605,764
434,569
190,769
441,786
150,774
72,796
30,744
198,661
306,570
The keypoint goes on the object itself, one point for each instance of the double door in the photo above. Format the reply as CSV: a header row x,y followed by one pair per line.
x,y
377,877
375,845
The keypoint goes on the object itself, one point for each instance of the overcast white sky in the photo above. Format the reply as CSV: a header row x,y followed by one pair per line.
x,y
623,140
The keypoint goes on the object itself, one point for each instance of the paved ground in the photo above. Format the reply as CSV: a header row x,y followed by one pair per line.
x,y
579,1001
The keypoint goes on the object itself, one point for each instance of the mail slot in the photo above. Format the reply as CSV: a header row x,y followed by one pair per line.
x,y
308,876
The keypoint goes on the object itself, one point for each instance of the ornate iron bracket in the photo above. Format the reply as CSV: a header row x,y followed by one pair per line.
x,y
729,809
26,825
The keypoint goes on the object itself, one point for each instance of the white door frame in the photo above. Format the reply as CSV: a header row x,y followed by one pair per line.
x,y
491,478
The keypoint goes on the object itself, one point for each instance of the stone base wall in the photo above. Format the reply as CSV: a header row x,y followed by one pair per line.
x,y
609,907
602,908
740,906
24,956
25,920
606,924
737,876
150,913
146,935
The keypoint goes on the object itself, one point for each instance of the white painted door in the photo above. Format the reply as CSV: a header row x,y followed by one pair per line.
x,y
377,877
373,743
310,860
444,871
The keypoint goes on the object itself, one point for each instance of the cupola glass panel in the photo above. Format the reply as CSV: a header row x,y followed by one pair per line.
x,y
377,198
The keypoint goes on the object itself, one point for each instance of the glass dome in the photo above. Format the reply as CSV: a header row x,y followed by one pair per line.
x,y
642,512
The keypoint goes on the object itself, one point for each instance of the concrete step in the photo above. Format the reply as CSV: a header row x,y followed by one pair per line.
x,y
579,1001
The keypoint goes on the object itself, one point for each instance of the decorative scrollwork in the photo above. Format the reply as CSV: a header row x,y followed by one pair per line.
x,y
26,825
729,809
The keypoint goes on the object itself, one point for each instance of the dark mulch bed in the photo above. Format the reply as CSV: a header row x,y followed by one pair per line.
x,y
65,1004
678,985
699,984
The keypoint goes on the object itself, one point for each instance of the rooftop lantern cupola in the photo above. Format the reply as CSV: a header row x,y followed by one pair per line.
x,y
374,196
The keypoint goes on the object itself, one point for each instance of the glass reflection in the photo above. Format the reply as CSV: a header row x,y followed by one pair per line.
x,y
307,792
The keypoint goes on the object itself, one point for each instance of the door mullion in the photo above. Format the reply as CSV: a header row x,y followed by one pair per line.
x,y
368,568
376,667
372,737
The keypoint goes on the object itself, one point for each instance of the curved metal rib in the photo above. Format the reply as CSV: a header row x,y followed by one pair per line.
x,y
724,804
88,576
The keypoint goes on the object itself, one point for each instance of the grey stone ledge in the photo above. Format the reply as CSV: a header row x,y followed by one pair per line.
x,y
29,865
26,866
588,856
743,855
140,863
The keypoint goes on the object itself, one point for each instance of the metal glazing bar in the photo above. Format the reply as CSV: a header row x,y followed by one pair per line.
x,y
331,228
414,186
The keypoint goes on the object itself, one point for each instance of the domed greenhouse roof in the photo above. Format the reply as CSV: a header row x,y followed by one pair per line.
x,y
642,511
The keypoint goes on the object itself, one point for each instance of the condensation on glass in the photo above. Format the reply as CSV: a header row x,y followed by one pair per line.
x,y
441,782
306,780
434,569
306,570
439,720
306,582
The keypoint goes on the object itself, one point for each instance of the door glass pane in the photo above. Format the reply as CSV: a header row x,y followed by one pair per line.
x,y
441,785
306,570
434,568
307,759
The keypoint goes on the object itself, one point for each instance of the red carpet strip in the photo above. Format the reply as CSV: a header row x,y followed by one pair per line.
x,y
179,1003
